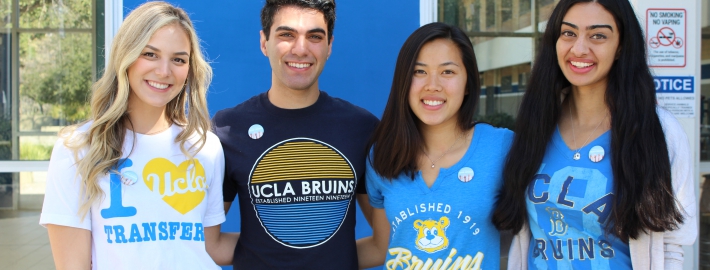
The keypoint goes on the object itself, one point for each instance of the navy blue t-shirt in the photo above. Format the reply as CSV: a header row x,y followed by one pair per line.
x,y
295,173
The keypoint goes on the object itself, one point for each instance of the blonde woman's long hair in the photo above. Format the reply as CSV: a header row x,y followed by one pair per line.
x,y
102,144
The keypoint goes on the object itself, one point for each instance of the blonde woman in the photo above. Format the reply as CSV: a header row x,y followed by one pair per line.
x,y
139,185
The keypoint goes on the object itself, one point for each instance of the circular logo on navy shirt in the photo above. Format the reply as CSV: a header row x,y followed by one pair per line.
x,y
301,189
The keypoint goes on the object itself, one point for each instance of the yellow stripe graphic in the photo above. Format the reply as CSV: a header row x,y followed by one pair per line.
x,y
301,160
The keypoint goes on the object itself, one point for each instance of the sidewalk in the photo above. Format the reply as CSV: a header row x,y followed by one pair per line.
x,y
23,242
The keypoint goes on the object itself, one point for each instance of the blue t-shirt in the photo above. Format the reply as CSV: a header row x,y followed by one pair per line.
x,y
568,203
449,224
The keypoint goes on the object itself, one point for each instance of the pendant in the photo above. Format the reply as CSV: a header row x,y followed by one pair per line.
x,y
432,165
577,156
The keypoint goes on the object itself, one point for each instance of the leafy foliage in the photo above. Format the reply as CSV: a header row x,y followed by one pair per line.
x,y
55,14
55,67
63,79
34,151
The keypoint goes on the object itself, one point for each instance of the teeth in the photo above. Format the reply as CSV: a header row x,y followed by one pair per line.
x,y
158,85
299,65
433,102
581,64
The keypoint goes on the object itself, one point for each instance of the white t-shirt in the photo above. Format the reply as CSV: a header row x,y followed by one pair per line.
x,y
156,223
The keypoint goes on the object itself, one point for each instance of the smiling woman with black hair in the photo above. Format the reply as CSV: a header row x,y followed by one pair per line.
x,y
433,173
598,176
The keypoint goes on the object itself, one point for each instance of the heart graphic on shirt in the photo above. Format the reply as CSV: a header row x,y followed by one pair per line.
x,y
182,187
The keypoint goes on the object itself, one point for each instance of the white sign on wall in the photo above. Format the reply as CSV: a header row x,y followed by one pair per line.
x,y
674,56
676,94
665,37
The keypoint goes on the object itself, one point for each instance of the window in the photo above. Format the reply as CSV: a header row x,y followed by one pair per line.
x,y
48,61
50,73
523,80
503,42
506,84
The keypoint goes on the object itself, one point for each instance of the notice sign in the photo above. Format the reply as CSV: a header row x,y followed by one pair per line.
x,y
676,94
665,37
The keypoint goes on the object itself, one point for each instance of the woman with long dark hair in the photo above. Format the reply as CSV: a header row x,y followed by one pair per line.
x,y
598,176
433,173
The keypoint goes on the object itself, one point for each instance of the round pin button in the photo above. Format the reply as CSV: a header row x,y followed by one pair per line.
x,y
465,174
129,178
596,154
256,131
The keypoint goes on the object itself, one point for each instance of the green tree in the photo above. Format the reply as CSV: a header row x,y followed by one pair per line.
x,y
55,13
55,73
55,67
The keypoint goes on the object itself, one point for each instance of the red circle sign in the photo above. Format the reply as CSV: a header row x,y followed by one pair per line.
x,y
666,36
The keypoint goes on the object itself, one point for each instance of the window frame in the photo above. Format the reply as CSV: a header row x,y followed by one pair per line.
x,y
100,28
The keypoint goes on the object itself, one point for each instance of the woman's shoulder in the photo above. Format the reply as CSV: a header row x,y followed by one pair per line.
x,y
493,132
72,135
74,130
676,139
212,138
672,128
71,140
212,144
666,117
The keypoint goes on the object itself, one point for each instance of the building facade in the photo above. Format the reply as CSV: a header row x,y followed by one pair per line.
x,y
52,50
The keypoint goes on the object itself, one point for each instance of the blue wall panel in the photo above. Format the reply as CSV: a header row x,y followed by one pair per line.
x,y
367,38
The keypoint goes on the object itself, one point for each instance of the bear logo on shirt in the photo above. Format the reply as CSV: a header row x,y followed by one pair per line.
x,y
559,227
431,235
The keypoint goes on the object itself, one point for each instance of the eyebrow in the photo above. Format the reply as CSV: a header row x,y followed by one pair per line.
x,y
158,50
314,30
591,27
442,64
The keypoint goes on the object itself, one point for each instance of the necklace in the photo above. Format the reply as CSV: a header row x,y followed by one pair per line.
x,y
577,156
442,155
